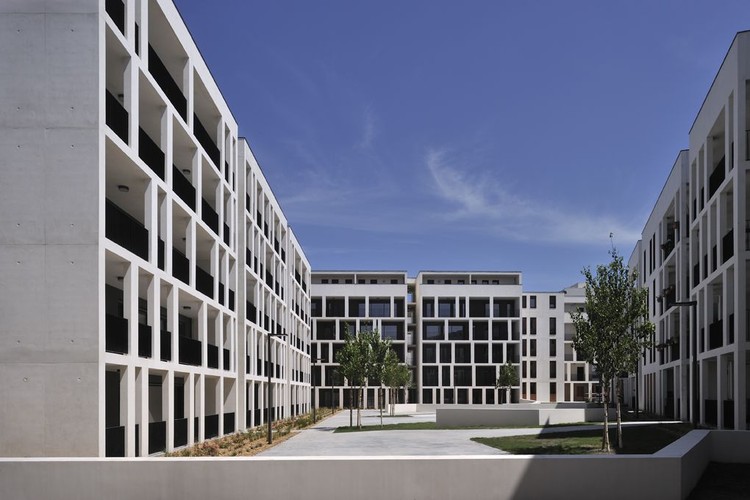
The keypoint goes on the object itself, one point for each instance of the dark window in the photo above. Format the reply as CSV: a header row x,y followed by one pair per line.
x,y
532,326
347,327
380,308
445,353
458,331
357,308
446,377
427,396
497,354
479,308
463,353
429,376
523,301
325,330
428,308
532,301
552,302
447,282
448,396
553,326
446,308
462,376
502,308
316,307
334,308
481,330
476,396
393,331
398,306
432,331
429,353
481,353
532,347
552,371
485,375
553,347
499,330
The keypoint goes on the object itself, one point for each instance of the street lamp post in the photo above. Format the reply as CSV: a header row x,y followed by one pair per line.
x,y
695,403
269,392
312,379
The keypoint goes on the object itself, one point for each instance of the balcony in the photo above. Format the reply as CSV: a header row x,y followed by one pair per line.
x,y
180,266
180,432
160,256
116,334
126,231
114,441
170,88
183,188
227,359
251,312
213,356
209,216
204,282
157,437
715,334
204,138
667,247
166,346
230,305
150,153
727,246
116,11
716,178
116,116
144,341
190,351
227,235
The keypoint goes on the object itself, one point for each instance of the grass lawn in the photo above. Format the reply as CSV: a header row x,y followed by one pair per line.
x,y
637,439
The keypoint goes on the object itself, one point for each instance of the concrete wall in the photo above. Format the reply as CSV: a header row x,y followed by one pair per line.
x,y
50,114
668,474
463,417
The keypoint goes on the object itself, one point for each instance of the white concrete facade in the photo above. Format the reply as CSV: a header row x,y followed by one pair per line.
x,y
127,194
694,249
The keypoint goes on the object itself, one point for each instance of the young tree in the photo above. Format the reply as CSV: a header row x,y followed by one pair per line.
x,y
378,359
613,330
395,376
350,363
507,377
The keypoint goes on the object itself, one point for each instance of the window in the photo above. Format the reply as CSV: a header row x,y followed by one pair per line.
x,y
462,376
334,308
552,371
380,308
429,376
499,330
348,281
335,281
532,326
428,308
365,326
430,282
325,330
398,306
532,301
357,308
479,308
553,326
429,353
523,302
532,347
347,326
447,282
489,395
433,331
485,375
497,354
446,377
316,307
503,308
446,308
532,369
476,396
373,282
394,282
393,331
448,396
481,330
458,331
324,281
552,302
426,396
553,347
481,353
463,353
445,353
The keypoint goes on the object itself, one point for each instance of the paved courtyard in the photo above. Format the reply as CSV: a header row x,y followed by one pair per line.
x,y
321,440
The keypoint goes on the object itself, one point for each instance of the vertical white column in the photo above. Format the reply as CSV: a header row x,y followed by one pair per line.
x,y
168,408
173,322
190,247
219,395
203,333
201,406
154,316
142,419
127,411
190,390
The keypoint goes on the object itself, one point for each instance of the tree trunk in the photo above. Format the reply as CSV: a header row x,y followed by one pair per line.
x,y
619,415
359,407
605,402
351,408
381,395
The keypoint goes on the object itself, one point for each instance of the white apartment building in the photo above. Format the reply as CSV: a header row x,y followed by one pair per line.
x,y
694,251
144,257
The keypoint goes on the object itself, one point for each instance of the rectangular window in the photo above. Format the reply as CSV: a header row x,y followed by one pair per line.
x,y
497,354
398,306
429,353
334,308
428,308
499,330
462,376
316,307
479,308
523,302
476,396
429,376
532,369
380,308
357,308
552,370
458,331
448,396
532,326
481,330
553,326
503,308
393,331
489,396
532,347
445,353
481,353
553,302
433,331
485,375
325,330
463,353
446,308
552,347
427,396
446,378
532,301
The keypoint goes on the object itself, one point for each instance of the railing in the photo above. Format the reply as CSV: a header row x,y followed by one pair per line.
x,y
228,423
170,88
116,117
166,346
696,275
204,138
180,432
144,341
716,178
180,266
183,188
157,437
204,282
125,230
116,334
190,351
116,11
230,305
209,216
160,254
150,153
213,356
227,234
727,246
114,441
212,426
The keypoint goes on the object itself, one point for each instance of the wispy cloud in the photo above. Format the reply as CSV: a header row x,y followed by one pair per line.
x,y
485,204
368,129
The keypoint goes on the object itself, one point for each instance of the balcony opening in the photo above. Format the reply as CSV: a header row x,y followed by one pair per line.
x,y
166,59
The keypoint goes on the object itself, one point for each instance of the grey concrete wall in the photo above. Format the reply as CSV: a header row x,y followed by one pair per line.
x,y
515,416
496,477
49,200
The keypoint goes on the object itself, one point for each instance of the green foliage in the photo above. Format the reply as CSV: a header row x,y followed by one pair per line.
x,y
614,329
507,377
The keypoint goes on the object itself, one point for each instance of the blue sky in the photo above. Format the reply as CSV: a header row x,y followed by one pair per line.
x,y
428,135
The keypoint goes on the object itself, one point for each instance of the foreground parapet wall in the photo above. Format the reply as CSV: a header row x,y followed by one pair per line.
x,y
518,415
